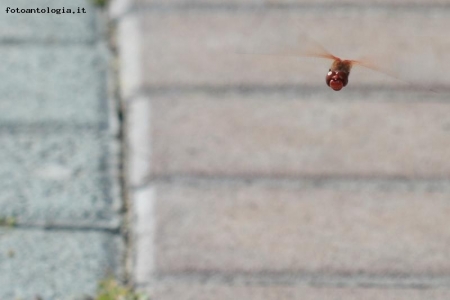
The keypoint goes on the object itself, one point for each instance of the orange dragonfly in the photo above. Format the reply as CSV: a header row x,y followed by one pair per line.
x,y
339,72
337,76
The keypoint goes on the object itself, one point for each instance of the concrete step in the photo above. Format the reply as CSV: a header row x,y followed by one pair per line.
x,y
305,230
291,135
225,292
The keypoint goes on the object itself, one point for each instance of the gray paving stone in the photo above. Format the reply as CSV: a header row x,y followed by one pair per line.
x,y
316,134
201,47
253,229
223,292
47,27
55,264
56,176
58,83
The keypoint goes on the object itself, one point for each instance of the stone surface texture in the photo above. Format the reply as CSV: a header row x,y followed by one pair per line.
x,y
251,179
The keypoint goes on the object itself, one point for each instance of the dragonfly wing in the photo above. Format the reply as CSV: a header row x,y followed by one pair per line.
x,y
304,46
372,66
366,63
313,48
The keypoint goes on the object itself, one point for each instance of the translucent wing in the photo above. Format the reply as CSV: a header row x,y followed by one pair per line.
x,y
305,46
367,63
313,48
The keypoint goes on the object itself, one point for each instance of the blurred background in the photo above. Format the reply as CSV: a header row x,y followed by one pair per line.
x,y
263,183
175,146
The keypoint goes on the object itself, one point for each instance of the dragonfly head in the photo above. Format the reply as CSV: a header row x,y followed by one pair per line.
x,y
337,79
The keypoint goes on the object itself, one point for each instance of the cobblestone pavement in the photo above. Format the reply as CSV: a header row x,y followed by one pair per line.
x,y
251,179
58,154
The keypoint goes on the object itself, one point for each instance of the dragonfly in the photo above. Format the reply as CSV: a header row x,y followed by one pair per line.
x,y
338,74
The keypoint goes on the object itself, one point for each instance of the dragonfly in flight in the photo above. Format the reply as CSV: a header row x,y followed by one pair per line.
x,y
339,71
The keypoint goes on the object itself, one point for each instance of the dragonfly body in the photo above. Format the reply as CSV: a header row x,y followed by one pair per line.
x,y
337,76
